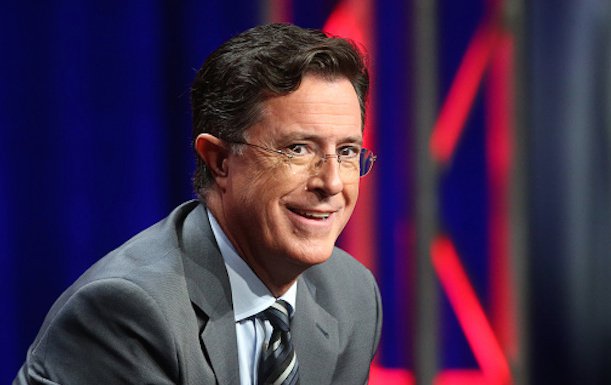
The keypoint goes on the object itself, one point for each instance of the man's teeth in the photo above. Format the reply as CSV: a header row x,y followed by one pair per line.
x,y
314,215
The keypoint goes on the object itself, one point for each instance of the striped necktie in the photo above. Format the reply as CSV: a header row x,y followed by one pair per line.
x,y
278,363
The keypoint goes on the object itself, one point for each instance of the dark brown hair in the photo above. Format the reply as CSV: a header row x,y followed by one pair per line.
x,y
268,60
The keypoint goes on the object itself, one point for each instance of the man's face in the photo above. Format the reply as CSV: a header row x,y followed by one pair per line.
x,y
281,217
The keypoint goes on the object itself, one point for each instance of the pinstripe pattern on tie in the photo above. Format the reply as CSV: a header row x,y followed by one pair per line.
x,y
278,364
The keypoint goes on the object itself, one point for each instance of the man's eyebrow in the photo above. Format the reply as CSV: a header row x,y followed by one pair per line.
x,y
353,139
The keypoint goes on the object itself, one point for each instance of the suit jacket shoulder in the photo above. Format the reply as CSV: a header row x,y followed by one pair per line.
x,y
143,314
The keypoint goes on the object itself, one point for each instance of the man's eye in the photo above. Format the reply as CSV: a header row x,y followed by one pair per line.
x,y
298,149
349,151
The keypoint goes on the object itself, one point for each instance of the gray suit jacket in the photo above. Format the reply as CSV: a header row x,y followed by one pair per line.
x,y
158,310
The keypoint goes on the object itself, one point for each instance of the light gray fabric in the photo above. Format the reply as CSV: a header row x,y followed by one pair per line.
x,y
158,311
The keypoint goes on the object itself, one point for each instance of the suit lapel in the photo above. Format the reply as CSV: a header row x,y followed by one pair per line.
x,y
209,289
316,338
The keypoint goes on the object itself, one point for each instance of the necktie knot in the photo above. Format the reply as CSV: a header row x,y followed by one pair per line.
x,y
279,315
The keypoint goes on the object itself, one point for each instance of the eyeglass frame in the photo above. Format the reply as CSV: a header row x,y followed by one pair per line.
x,y
323,157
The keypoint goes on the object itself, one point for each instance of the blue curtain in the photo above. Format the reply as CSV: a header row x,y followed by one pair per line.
x,y
95,136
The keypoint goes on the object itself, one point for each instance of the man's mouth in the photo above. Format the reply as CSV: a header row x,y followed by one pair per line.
x,y
312,214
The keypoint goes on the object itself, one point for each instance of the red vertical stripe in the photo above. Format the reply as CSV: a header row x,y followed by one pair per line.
x,y
499,150
352,19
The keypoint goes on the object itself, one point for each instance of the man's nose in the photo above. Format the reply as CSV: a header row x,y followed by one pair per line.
x,y
327,176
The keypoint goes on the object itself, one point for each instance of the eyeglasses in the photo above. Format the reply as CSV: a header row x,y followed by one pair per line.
x,y
353,160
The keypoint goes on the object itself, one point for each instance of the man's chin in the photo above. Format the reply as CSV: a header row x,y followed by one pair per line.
x,y
313,256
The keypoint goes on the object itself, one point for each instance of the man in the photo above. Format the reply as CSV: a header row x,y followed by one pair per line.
x,y
245,285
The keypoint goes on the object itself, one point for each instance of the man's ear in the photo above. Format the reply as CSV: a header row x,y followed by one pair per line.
x,y
214,152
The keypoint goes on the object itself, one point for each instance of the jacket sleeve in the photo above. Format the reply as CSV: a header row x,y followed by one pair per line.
x,y
109,331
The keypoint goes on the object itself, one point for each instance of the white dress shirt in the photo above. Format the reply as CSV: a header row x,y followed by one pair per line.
x,y
250,297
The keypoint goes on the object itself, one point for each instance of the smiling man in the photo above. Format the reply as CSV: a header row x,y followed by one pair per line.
x,y
244,285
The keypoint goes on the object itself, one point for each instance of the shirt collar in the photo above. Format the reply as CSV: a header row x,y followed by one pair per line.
x,y
250,296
